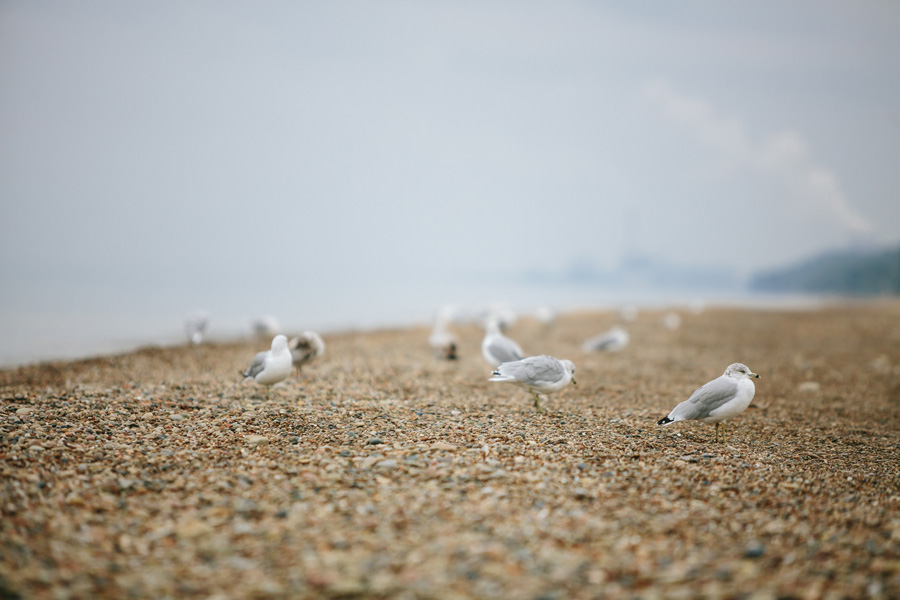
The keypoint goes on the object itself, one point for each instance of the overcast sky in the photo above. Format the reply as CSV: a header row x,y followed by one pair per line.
x,y
187,144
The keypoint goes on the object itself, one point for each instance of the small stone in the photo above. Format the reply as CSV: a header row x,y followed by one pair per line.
x,y
881,364
256,440
374,442
809,387
442,446
74,499
192,529
23,411
582,494
346,588
244,505
754,551
386,464
369,461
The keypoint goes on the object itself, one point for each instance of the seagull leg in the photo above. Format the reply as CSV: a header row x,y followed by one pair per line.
x,y
723,433
717,433
537,401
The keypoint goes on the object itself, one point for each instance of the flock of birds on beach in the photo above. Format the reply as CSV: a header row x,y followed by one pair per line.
x,y
712,403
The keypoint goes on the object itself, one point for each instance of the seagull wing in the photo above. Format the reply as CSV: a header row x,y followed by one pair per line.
x,y
706,399
258,364
534,370
543,370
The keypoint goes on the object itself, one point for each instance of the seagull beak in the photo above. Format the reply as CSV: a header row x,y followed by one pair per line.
x,y
573,381
754,375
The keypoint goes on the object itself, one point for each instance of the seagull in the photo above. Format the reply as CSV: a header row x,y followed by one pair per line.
x,y
629,312
720,399
545,315
265,326
504,315
442,341
497,348
195,326
672,321
271,366
305,348
543,374
612,341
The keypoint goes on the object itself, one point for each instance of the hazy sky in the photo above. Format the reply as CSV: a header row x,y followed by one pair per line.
x,y
279,146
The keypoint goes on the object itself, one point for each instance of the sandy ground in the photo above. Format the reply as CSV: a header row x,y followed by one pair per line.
x,y
384,472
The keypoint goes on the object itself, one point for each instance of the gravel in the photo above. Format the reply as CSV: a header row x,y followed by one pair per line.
x,y
384,472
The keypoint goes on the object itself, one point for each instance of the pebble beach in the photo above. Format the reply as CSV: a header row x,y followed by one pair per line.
x,y
380,471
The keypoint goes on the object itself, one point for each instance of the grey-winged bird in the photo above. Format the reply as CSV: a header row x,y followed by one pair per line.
x,y
722,398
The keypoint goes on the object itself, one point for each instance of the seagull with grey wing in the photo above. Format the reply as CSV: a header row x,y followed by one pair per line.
x,y
612,341
719,400
271,366
537,374
497,348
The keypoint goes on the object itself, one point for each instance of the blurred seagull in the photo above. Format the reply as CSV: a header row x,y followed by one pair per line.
x,y
612,341
271,366
546,315
672,321
502,313
305,348
720,399
543,374
629,312
195,326
441,340
265,326
497,348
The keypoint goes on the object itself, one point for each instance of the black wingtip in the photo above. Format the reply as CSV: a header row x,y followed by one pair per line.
x,y
665,421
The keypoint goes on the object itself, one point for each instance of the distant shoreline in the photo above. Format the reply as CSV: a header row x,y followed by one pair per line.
x,y
104,348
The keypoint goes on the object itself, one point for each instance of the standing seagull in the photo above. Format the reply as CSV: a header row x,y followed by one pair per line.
x,y
543,374
612,341
497,348
720,399
442,340
271,366
195,326
305,348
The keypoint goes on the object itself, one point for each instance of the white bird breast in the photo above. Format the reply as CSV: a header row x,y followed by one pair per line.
x,y
745,392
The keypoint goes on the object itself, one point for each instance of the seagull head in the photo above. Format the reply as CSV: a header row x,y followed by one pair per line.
x,y
279,343
739,370
570,367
